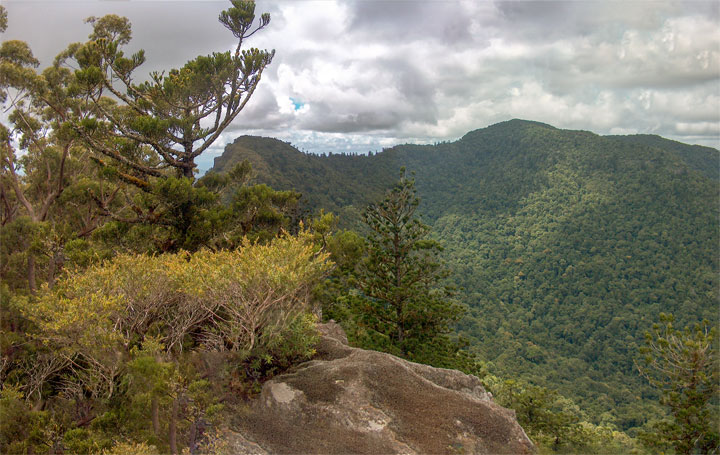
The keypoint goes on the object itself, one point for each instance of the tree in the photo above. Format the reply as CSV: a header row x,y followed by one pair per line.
x,y
169,120
3,19
148,134
84,144
346,249
402,298
683,364
40,161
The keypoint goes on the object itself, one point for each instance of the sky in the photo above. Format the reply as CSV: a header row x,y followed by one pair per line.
x,y
358,75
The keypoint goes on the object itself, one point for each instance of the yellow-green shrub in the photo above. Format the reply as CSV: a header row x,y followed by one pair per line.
x,y
243,300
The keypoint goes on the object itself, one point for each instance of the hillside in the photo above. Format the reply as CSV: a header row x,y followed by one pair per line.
x,y
567,244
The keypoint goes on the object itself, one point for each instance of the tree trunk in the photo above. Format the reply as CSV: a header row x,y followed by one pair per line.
x,y
31,273
155,410
51,272
172,427
56,264
197,433
193,437
400,323
39,405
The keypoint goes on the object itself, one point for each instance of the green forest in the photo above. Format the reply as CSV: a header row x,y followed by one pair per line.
x,y
142,306
565,246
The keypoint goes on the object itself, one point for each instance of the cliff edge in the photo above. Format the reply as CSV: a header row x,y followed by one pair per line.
x,y
350,400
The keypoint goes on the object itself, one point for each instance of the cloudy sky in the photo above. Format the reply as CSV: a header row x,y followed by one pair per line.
x,y
359,75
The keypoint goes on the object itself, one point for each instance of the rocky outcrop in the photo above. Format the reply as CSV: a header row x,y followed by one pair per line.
x,y
350,400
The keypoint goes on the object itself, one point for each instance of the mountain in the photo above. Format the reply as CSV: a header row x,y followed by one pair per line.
x,y
567,245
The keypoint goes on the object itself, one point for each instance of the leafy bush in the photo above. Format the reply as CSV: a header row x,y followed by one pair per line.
x,y
228,300
146,345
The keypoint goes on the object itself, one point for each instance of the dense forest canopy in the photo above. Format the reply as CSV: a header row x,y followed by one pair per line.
x,y
566,245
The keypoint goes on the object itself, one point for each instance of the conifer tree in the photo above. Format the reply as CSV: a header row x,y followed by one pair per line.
x,y
403,298
683,364
172,118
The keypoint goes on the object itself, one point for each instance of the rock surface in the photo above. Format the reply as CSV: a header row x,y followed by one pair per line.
x,y
350,400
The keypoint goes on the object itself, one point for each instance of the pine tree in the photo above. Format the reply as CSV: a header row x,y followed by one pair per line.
x,y
403,300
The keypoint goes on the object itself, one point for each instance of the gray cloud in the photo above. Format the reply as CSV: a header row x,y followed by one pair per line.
x,y
448,22
393,92
170,32
372,72
553,20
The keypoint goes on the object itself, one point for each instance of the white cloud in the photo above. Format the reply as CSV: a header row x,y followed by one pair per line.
x,y
372,72
698,128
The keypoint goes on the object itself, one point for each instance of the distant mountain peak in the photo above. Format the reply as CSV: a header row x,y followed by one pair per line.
x,y
517,122
509,127
246,138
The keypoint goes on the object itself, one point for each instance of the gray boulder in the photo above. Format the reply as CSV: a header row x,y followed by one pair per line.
x,y
350,400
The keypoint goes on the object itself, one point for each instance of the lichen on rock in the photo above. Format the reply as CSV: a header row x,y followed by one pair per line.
x,y
349,400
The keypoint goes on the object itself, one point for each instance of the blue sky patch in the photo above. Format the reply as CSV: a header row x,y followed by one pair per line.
x,y
297,104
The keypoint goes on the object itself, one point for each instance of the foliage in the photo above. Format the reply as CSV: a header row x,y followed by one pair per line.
x,y
48,186
215,212
224,300
84,144
3,19
684,365
401,305
22,429
171,119
261,212
564,245
95,169
123,448
556,424
142,346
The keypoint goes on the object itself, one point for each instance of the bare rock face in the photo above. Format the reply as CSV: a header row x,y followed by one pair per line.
x,y
350,400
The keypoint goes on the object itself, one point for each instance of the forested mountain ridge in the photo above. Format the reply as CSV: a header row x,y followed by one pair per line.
x,y
567,245
339,180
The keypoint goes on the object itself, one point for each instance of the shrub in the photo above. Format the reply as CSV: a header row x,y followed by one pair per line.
x,y
250,300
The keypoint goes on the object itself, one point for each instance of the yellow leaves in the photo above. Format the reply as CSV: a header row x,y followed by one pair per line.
x,y
110,304
83,322
131,448
285,263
